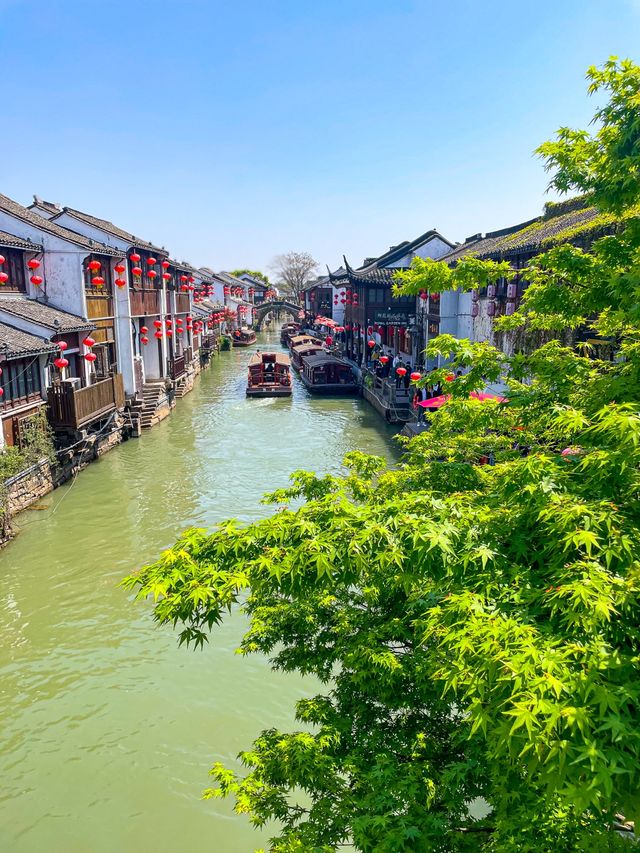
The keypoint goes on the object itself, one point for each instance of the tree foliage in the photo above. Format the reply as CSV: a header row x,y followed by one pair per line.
x,y
294,270
260,276
475,626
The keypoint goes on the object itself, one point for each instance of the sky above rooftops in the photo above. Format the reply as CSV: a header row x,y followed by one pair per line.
x,y
233,132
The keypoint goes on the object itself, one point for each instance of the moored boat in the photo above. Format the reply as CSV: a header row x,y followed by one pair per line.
x,y
269,375
302,351
287,332
244,337
326,374
304,338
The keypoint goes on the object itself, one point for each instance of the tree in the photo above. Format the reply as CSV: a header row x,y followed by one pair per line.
x,y
475,626
294,271
260,276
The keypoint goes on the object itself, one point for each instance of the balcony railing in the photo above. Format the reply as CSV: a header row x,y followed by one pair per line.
x,y
74,408
144,303
177,366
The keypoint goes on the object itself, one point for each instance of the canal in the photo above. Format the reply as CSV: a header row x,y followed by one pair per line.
x,y
107,728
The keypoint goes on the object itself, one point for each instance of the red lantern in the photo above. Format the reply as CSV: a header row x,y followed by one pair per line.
x,y
61,363
36,279
401,371
191,278
415,376
166,276
62,345
328,340
119,268
165,265
151,261
90,356
384,359
94,266
97,281
88,342
371,343
144,339
1,392
3,278
184,278
2,259
152,274
137,271
157,334
143,330
33,264
169,333
449,377
120,282
424,295
134,257
157,324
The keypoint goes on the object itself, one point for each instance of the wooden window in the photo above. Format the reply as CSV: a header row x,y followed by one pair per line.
x,y
14,267
20,381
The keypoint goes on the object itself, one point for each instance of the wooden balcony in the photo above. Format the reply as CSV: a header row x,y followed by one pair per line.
x,y
182,303
73,409
99,306
144,303
177,366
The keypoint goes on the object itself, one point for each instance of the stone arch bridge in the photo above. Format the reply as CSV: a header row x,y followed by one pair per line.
x,y
260,312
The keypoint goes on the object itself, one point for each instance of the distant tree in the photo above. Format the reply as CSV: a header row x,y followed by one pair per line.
x,y
294,270
254,274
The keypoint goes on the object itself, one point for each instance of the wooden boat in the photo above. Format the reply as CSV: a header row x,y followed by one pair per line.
x,y
302,351
269,375
244,337
326,374
288,331
306,338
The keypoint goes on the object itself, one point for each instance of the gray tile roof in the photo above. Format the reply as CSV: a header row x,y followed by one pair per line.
x,y
110,228
18,242
14,343
14,209
566,222
45,315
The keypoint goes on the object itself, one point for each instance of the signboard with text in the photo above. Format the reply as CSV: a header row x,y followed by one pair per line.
x,y
390,317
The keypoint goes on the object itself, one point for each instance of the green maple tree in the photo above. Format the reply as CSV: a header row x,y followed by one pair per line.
x,y
476,627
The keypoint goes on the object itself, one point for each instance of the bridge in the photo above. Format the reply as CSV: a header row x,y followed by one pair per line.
x,y
261,312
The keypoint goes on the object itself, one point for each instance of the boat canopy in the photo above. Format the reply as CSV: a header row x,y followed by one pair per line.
x,y
269,358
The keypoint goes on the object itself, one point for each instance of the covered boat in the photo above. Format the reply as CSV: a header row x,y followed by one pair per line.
x,y
244,337
269,375
305,338
326,374
302,351
287,332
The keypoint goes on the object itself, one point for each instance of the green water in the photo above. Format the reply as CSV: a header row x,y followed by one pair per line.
x,y
107,729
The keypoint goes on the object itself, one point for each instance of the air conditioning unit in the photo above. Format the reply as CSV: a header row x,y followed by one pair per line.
x,y
74,381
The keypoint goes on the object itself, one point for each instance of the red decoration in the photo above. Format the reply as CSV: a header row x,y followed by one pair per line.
x,y
169,333
94,266
371,343
401,371
60,363
424,294
184,278
144,339
88,341
135,257
2,259
62,345
97,281
157,334
157,324
166,276
143,330
415,376
137,271
33,264
36,279
120,282
152,274
384,359
449,377
165,265
119,268
151,261
3,277
90,356
328,340
1,392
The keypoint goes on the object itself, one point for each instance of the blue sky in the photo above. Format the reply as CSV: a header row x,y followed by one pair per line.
x,y
234,131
